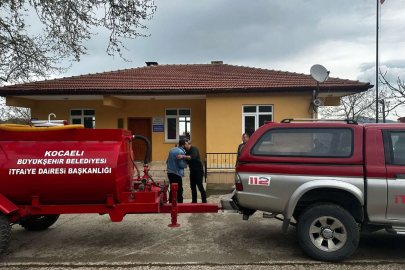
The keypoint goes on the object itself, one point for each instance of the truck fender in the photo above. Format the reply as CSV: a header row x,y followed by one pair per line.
x,y
301,190
7,207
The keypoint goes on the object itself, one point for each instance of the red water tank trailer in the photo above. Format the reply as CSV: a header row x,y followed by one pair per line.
x,y
51,171
65,166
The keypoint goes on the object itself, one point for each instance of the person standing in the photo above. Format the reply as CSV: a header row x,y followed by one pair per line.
x,y
196,171
245,139
175,169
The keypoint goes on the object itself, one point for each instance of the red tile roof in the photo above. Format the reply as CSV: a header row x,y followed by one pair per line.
x,y
198,78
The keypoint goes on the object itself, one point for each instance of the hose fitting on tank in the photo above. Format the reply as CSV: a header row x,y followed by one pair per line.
x,y
148,147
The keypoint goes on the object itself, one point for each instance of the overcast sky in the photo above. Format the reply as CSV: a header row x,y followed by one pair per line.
x,y
283,35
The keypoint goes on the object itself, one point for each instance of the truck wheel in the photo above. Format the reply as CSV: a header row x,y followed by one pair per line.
x,y
5,234
39,223
327,232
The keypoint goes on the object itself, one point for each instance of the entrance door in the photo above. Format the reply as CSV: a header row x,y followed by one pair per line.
x,y
140,126
395,173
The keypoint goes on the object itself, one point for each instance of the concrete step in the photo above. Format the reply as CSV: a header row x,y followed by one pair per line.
x,y
187,189
186,186
158,170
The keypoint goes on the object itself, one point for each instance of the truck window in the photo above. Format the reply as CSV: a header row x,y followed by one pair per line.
x,y
306,142
397,148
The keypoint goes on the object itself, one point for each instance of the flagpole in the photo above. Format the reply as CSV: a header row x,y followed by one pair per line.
x,y
376,67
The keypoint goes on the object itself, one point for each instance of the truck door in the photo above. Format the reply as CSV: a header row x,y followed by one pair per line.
x,y
394,144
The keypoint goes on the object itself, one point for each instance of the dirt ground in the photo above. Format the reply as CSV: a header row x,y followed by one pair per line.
x,y
203,241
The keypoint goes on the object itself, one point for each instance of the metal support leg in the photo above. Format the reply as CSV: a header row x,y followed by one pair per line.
x,y
174,210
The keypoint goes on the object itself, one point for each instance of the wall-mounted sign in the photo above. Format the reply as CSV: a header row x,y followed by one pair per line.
x,y
158,124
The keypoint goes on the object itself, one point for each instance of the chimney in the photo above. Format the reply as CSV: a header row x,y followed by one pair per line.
x,y
148,64
217,62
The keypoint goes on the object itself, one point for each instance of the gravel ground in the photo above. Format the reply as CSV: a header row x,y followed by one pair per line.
x,y
203,241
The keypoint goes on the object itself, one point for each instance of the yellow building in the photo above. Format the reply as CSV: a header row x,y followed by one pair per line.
x,y
210,104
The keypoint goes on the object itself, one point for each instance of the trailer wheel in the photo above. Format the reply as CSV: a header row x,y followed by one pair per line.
x,y
327,232
39,223
5,234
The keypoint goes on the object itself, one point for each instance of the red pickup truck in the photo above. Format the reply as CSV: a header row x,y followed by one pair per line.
x,y
334,179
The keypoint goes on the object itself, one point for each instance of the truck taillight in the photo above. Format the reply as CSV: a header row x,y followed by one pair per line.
x,y
238,182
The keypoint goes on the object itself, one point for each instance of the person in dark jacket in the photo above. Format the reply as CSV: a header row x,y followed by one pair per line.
x,y
196,171
245,139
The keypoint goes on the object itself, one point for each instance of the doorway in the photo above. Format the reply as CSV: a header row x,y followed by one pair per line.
x,y
140,126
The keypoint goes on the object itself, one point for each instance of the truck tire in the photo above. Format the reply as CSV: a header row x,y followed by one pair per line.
x,y
5,234
39,223
327,232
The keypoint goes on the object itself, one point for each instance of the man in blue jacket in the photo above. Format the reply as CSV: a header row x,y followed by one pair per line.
x,y
175,169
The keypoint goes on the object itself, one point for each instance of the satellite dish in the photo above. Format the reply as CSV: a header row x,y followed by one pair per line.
x,y
319,73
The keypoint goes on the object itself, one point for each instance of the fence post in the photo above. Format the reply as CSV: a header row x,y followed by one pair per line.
x,y
205,167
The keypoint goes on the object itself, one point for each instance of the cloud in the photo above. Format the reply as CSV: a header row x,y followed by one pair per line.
x,y
392,70
284,35
396,63
287,35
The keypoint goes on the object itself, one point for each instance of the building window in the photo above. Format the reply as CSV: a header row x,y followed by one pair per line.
x,y
254,116
85,117
178,125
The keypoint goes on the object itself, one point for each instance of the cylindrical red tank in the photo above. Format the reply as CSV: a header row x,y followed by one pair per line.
x,y
77,166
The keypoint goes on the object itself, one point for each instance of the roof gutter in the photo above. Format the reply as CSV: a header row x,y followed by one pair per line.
x,y
359,88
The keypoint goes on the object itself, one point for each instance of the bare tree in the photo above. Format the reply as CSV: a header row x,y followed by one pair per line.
x,y
362,106
359,107
13,115
396,92
67,24
3,109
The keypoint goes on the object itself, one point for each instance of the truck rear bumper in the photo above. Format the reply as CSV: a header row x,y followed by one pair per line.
x,y
228,202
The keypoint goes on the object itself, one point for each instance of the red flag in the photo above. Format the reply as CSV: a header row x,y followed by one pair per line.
x,y
382,1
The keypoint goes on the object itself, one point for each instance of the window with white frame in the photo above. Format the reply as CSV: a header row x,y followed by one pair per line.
x,y
178,125
85,117
254,116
